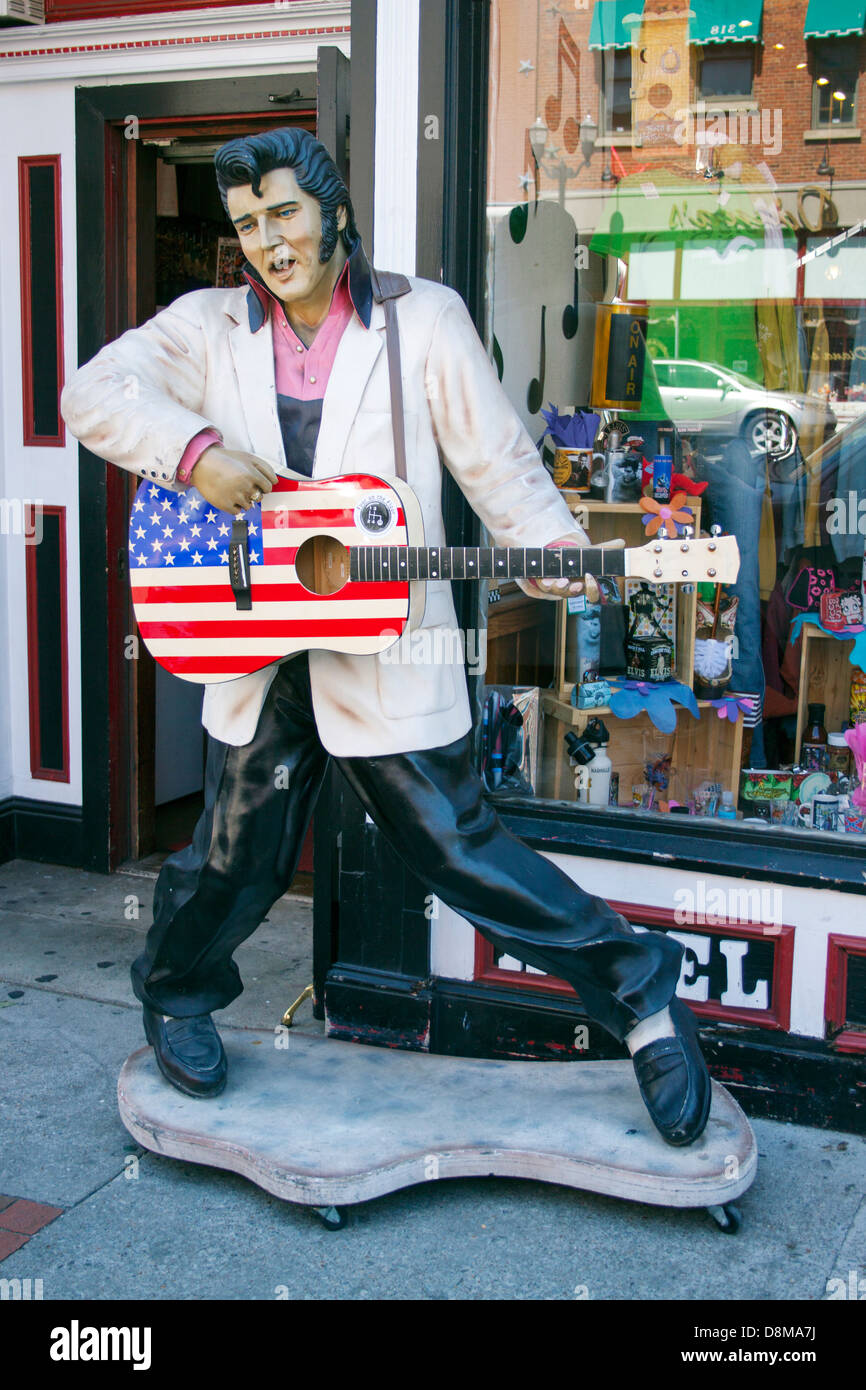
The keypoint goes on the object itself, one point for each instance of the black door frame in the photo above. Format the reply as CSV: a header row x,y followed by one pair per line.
x,y
371,934
373,979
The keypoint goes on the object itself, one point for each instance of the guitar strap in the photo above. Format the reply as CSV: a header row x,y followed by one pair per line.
x,y
387,286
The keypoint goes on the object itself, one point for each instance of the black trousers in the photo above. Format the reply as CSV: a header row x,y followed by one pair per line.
x,y
259,799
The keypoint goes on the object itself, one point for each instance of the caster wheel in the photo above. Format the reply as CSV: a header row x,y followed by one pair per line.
x,y
332,1218
727,1218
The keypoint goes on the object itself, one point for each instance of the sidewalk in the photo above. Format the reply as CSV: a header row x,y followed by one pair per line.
x,y
90,1214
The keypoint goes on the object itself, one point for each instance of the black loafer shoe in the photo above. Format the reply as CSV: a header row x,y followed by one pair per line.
x,y
189,1052
674,1081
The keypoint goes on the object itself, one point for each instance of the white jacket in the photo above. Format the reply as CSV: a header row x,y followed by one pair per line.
x,y
197,363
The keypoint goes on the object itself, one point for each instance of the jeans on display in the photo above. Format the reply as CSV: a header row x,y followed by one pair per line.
x,y
737,484
430,807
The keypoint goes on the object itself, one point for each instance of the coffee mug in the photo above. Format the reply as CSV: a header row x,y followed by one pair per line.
x,y
826,810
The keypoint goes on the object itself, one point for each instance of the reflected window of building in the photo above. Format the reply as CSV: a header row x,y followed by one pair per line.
x,y
835,88
726,70
616,92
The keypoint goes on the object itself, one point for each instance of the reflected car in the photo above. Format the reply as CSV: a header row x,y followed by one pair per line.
x,y
718,400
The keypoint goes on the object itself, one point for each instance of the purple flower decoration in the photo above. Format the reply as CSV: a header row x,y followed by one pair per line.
x,y
679,526
732,706
576,431
659,701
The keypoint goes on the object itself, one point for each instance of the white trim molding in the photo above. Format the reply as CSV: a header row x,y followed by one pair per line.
x,y
198,42
396,152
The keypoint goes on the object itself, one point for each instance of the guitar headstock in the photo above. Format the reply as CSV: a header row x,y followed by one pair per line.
x,y
682,559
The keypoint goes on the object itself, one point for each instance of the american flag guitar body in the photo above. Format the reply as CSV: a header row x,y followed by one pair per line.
x,y
326,563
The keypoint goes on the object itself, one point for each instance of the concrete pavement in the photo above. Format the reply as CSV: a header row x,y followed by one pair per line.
x,y
133,1225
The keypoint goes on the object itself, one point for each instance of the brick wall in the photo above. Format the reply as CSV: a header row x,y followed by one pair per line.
x,y
533,35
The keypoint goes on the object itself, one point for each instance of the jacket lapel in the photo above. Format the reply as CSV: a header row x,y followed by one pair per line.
x,y
356,357
253,356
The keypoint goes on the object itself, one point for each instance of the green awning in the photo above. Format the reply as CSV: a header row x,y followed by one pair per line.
x,y
825,21
727,21
612,23
711,21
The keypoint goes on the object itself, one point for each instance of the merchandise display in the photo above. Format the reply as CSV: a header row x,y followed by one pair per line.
x,y
813,749
651,657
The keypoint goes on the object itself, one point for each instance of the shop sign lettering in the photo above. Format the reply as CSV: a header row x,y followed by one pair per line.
x,y
733,972
808,217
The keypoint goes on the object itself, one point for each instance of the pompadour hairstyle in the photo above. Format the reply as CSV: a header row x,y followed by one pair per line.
x,y
245,160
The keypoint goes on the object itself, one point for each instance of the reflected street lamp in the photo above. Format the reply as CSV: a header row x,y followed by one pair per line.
x,y
538,136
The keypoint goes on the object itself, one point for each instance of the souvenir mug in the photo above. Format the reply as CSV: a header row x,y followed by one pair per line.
x,y
823,812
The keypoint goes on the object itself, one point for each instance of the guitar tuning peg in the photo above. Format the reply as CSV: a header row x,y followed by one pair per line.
x,y
688,532
715,530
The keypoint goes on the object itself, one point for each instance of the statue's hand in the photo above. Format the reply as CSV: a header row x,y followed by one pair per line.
x,y
230,479
565,588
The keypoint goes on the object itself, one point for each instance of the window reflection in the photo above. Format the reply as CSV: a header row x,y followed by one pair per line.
x,y
638,159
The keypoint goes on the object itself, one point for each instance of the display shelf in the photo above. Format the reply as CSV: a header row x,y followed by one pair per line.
x,y
825,679
576,718
703,749
608,521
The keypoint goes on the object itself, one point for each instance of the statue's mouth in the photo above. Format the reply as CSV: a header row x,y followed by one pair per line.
x,y
281,262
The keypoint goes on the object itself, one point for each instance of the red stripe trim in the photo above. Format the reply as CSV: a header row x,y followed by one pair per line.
x,y
366,482
264,593
37,771
281,554
276,627
320,518
25,164
315,517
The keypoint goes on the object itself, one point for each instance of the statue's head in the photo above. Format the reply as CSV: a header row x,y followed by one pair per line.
x,y
290,209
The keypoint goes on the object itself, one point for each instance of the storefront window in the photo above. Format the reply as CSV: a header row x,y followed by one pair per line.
x,y
678,316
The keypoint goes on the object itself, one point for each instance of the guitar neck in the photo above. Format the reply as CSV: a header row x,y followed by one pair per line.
x,y
375,563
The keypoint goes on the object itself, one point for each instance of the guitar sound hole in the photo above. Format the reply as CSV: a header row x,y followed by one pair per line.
x,y
322,564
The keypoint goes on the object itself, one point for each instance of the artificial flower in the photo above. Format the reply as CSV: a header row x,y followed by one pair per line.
x,y
666,516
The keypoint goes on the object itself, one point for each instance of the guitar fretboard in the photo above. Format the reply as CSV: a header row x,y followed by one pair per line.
x,y
383,562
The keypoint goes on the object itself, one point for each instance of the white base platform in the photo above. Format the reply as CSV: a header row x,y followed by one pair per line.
x,y
329,1123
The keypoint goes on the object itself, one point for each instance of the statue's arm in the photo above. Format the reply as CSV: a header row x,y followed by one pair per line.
x,y
137,403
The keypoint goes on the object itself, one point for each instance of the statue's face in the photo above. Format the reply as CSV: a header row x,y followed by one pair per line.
x,y
280,234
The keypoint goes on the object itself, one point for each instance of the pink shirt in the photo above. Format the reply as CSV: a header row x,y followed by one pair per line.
x,y
299,371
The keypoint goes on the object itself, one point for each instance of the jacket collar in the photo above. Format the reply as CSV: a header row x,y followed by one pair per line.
x,y
357,272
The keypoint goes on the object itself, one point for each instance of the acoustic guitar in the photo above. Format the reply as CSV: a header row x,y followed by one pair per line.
x,y
331,563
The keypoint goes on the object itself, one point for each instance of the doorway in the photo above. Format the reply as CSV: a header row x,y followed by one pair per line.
x,y
150,228
178,240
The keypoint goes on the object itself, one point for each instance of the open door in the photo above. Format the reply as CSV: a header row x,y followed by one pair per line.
x,y
171,236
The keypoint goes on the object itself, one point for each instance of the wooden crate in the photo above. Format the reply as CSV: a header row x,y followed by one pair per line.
x,y
606,521
704,749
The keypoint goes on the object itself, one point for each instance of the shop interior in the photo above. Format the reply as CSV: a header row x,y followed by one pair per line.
x,y
192,248
730,701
